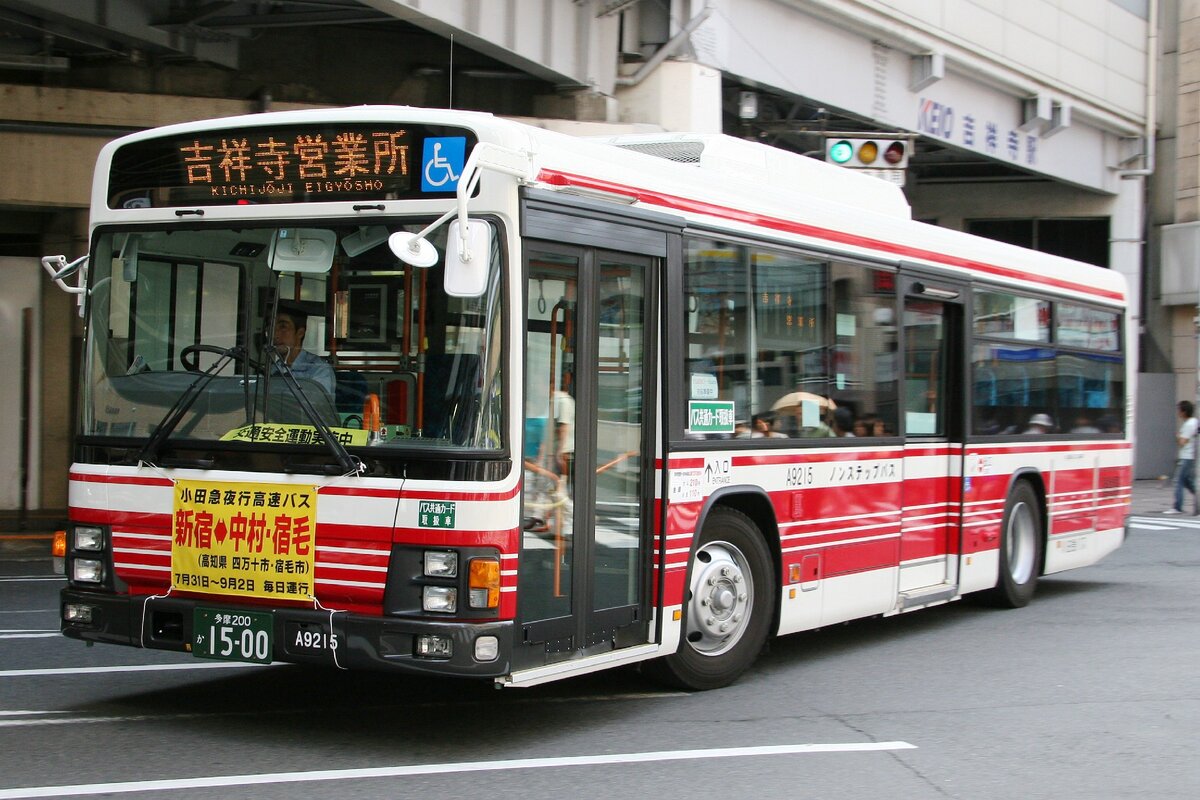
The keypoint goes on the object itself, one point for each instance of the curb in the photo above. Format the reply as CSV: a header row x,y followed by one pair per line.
x,y
26,544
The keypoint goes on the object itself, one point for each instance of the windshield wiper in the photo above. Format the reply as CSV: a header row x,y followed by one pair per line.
x,y
171,419
349,463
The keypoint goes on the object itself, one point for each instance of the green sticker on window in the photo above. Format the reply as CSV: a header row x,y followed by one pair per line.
x,y
710,417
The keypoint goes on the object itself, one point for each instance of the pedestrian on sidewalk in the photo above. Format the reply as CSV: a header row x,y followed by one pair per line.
x,y
1185,466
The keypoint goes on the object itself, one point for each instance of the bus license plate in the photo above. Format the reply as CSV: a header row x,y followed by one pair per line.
x,y
232,635
309,638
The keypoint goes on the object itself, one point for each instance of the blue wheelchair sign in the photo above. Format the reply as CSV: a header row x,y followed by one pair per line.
x,y
442,163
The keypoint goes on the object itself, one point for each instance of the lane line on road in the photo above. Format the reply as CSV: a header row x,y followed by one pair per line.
x,y
1165,523
31,578
31,718
29,634
217,781
33,673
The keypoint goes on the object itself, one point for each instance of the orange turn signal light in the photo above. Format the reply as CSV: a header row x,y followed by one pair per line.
x,y
484,583
58,547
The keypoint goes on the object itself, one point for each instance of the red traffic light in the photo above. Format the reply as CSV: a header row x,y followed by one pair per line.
x,y
894,154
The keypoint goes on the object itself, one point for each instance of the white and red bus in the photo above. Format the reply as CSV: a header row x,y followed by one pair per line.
x,y
439,392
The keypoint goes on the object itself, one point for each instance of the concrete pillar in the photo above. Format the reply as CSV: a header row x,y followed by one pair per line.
x,y
678,96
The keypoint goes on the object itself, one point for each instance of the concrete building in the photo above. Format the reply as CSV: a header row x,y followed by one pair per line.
x,y
1027,121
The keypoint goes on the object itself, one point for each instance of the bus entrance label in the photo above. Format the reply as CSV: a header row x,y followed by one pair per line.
x,y
710,416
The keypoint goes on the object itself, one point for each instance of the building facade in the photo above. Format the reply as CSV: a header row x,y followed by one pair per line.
x,y
1025,121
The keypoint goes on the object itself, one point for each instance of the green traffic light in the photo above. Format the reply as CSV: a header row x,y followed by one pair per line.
x,y
841,152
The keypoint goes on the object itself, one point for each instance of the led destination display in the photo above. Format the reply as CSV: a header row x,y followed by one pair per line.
x,y
293,164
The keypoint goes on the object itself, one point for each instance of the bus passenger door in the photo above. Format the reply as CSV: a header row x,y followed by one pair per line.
x,y
934,428
587,501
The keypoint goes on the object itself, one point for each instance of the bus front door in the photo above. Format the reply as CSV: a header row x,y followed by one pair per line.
x,y
583,574
934,363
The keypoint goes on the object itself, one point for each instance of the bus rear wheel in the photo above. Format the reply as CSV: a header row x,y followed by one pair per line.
x,y
728,610
1020,549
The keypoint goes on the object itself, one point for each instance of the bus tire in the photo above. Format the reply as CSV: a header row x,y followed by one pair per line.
x,y
1020,549
728,609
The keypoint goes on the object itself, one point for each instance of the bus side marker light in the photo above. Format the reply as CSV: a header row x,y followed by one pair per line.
x,y
484,583
676,615
487,648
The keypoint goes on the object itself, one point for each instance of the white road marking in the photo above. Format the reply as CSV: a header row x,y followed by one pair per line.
x,y
31,718
31,578
31,673
1165,523
33,611
30,635
214,781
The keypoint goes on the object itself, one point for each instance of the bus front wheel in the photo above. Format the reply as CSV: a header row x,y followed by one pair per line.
x,y
728,610
1020,549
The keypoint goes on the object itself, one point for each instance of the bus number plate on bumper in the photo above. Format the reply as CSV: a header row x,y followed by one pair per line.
x,y
232,635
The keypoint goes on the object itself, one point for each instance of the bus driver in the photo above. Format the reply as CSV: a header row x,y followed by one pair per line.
x,y
290,326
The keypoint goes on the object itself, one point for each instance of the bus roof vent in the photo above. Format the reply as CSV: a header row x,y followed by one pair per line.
x,y
684,152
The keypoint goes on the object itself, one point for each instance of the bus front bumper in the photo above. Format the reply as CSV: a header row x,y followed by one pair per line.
x,y
298,635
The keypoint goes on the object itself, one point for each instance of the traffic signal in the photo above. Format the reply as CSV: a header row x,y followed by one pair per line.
x,y
867,152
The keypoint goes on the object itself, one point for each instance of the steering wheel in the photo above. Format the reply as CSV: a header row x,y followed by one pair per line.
x,y
190,356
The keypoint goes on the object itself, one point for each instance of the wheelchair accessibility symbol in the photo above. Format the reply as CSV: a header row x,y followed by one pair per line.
x,y
442,163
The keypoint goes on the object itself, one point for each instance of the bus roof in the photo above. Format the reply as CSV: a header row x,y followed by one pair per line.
x,y
718,181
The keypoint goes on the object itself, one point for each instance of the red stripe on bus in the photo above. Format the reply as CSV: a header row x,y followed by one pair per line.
x,y
418,494
139,521
813,458
505,541
1048,447
558,178
128,480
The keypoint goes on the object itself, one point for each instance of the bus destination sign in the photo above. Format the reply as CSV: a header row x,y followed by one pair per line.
x,y
292,164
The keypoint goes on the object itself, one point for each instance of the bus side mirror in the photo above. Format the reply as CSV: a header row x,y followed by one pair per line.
x,y
468,254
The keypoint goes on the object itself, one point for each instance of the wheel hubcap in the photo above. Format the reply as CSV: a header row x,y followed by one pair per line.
x,y
1020,545
722,596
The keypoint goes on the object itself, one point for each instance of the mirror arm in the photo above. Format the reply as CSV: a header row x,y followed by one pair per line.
x,y
59,268
492,157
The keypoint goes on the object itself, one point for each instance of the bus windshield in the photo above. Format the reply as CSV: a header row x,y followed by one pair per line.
x,y
284,336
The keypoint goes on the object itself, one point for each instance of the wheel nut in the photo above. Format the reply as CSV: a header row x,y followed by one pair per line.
x,y
724,627
742,597
710,621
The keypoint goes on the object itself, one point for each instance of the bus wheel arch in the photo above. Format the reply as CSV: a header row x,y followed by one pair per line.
x,y
730,606
1023,537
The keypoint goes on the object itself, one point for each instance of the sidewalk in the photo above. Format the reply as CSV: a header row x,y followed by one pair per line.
x,y
1150,497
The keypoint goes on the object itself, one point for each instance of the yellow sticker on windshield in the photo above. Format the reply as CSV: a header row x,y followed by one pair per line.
x,y
277,433
251,540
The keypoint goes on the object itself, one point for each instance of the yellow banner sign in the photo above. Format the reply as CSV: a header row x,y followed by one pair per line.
x,y
278,433
251,540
